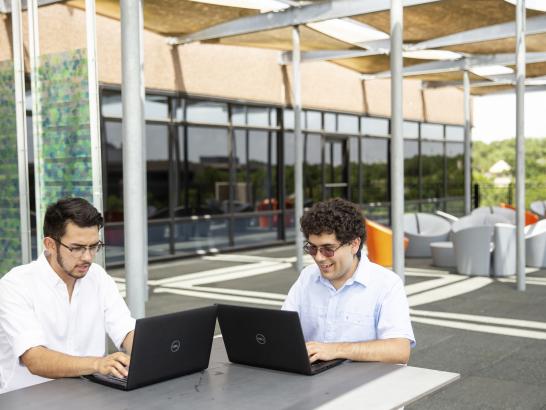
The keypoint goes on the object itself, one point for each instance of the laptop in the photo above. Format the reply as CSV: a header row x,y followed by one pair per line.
x,y
165,347
267,338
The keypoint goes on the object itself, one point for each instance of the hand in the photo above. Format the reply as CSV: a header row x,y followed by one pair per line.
x,y
321,351
116,364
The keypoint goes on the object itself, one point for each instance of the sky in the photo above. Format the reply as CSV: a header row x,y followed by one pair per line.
x,y
494,116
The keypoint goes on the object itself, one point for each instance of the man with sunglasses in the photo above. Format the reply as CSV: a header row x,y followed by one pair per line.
x,y
349,307
55,311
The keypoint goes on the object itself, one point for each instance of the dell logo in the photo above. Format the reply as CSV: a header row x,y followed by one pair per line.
x,y
175,346
260,339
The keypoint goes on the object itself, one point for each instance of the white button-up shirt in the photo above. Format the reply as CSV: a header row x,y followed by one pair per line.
x,y
371,305
35,311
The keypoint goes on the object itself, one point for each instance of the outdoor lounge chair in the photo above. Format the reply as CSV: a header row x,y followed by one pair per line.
x,y
379,243
539,208
504,252
472,246
422,229
535,244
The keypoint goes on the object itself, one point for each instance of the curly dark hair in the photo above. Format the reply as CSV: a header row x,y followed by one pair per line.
x,y
338,216
76,210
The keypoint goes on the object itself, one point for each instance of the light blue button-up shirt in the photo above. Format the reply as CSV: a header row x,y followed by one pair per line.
x,y
371,305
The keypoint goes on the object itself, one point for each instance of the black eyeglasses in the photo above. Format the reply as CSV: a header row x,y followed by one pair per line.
x,y
326,251
79,251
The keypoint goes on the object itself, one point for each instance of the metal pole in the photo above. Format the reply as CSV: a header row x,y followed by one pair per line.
x,y
20,113
298,166
520,144
94,118
144,168
134,198
397,142
467,152
34,52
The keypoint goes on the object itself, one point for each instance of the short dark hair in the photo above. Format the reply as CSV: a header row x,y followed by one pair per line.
x,y
75,210
337,216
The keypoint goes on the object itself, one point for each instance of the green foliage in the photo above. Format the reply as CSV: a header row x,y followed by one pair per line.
x,y
485,155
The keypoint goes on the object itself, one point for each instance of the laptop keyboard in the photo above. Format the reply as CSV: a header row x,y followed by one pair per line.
x,y
122,381
321,365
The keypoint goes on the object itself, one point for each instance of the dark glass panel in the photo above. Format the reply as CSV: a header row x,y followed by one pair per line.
x,y
375,169
432,169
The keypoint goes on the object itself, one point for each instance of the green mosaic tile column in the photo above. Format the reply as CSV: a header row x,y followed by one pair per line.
x,y
65,149
10,228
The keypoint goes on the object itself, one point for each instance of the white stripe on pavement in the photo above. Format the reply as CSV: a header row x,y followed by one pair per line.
x,y
450,291
218,296
499,330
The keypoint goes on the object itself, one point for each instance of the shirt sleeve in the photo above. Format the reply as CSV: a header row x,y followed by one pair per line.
x,y
118,320
292,301
18,322
394,319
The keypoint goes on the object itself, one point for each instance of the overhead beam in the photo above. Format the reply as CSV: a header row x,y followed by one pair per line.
x,y
534,25
322,55
467,63
5,5
293,16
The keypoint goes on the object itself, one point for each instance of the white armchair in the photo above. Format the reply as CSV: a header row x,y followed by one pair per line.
x,y
535,244
473,247
422,229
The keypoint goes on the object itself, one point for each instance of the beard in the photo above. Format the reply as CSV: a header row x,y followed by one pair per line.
x,y
71,271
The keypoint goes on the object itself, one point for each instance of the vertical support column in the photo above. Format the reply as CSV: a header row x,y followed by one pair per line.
x,y
520,144
467,149
94,118
134,197
20,113
34,51
144,167
397,142
298,166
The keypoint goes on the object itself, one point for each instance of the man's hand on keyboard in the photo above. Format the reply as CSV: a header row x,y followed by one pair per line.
x,y
116,364
322,351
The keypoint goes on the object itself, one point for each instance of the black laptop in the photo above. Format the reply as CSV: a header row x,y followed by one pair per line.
x,y
267,338
165,347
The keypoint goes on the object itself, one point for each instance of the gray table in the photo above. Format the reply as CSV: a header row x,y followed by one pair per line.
x,y
230,386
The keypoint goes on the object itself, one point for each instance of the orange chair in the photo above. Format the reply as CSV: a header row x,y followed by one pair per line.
x,y
379,243
530,217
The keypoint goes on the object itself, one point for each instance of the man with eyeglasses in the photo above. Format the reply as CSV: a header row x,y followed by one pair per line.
x,y
55,311
349,307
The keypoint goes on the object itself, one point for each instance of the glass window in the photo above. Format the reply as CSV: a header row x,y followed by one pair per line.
x,y
110,103
347,123
411,129
455,169
258,116
208,169
156,107
374,126
113,203
454,133
256,158
411,169
207,112
238,115
432,131
312,168
157,167
354,169
375,169
432,169
313,120
330,122
180,113
288,118
289,161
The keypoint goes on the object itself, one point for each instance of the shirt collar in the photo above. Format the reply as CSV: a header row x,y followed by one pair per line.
x,y
361,274
50,275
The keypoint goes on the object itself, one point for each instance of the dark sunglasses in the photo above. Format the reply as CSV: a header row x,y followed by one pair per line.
x,y
326,251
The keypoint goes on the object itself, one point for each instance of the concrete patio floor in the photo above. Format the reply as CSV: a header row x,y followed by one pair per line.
x,y
482,328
